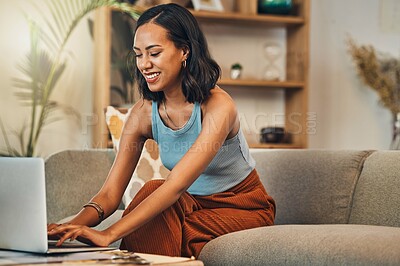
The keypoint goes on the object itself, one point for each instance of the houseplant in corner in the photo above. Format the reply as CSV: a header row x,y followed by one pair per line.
x,y
380,72
44,65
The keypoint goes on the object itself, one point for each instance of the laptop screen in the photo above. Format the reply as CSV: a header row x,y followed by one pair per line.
x,y
23,224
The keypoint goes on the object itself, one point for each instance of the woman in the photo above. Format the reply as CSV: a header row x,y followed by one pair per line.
x,y
213,187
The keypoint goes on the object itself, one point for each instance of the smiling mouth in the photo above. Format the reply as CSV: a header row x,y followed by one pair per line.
x,y
152,76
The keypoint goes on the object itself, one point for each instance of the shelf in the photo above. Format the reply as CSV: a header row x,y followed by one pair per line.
x,y
274,146
261,83
295,89
248,19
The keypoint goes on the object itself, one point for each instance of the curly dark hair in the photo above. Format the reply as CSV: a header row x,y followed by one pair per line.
x,y
201,72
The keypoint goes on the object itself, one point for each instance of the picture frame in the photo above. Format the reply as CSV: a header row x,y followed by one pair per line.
x,y
208,5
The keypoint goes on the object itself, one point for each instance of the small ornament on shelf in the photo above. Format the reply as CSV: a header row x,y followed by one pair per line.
x,y
236,71
274,7
272,52
273,135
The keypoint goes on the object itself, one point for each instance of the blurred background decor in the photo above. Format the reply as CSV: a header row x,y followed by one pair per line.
x,y
275,7
272,53
236,70
208,5
43,66
381,72
273,135
122,91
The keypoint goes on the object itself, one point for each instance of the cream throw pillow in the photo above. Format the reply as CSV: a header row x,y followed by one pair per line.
x,y
149,166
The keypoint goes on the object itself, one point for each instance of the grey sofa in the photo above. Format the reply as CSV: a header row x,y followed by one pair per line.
x,y
333,207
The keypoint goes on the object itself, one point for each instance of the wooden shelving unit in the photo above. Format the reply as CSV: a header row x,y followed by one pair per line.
x,y
274,146
297,62
262,84
246,19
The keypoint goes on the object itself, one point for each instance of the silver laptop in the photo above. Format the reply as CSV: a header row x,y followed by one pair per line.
x,y
23,225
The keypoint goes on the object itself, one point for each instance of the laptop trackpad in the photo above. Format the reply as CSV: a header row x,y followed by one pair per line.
x,y
72,247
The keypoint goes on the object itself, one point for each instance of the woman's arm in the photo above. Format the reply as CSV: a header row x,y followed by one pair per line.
x,y
220,118
134,134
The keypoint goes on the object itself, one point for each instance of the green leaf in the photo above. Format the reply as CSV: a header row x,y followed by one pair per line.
x,y
43,66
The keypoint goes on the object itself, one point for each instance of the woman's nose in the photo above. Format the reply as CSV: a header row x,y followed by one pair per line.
x,y
145,63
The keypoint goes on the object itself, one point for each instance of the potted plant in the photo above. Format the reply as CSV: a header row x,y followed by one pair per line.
x,y
236,71
381,72
45,64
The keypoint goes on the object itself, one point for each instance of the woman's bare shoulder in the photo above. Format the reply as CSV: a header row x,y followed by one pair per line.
x,y
139,117
219,100
141,107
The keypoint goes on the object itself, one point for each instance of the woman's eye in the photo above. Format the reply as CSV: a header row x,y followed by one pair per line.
x,y
138,55
155,54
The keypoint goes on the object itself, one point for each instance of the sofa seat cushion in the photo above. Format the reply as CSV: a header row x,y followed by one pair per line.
x,y
342,244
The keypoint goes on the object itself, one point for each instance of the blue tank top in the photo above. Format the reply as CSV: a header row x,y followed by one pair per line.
x,y
231,165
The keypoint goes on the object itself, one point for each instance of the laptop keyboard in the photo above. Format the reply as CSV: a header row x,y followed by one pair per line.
x,y
68,244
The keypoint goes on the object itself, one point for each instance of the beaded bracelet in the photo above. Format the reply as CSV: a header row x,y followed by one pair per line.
x,y
99,209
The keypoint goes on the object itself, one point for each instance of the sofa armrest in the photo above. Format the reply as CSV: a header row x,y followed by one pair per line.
x,y
73,177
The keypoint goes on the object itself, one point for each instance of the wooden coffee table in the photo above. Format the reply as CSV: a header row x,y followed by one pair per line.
x,y
114,257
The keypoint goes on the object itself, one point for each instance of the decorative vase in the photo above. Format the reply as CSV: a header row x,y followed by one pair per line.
x,y
280,7
395,145
236,71
272,52
272,135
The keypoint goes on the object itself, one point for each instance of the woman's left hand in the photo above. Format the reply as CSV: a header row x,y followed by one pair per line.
x,y
80,232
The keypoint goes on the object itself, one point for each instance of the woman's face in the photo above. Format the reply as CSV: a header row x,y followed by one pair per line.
x,y
157,58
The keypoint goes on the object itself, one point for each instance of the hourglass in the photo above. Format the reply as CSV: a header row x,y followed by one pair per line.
x,y
272,51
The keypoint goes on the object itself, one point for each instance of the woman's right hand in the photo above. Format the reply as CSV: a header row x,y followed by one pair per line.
x,y
51,227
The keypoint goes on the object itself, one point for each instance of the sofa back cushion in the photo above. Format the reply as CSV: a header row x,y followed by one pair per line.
x,y
73,177
310,186
377,195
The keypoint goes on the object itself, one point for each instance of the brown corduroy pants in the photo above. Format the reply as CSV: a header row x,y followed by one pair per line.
x,y
185,227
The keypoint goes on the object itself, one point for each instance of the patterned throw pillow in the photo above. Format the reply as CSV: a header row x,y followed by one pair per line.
x,y
149,166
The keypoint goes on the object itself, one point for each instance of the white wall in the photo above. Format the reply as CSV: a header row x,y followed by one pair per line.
x,y
230,44
348,113
74,89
